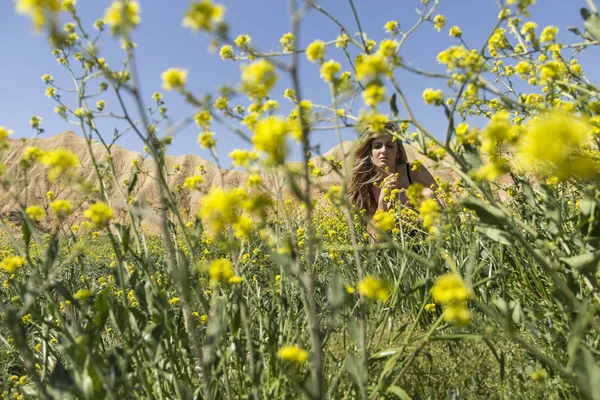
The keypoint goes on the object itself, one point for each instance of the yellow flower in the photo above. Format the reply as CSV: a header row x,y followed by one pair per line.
x,y
554,145
157,96
455,31
430,307
539,375
59,161
83,294
221,103
329,69
434,97
193,182
203,15
377,122
242,158
122,16
220,271
254,180
11,264
61,208
549,34
258,78
371,66
99,213
287,42
226,52
68,5
219,208
439,21
38,10
269,137
373,94
429,211
450,289
207,140
175,301
315,51
242,41
293,353
391,27
203,119
35,212
174,78
342,41
35,121
235,279
373,288
4,134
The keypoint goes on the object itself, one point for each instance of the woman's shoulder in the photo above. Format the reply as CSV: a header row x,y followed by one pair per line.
x,y
419,173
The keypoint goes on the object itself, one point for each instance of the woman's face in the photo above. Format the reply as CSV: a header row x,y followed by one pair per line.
x,y
384,151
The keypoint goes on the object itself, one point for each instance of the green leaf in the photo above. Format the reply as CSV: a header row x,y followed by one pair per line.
x,y
591,23
394,105
385,353
487,213
398,392
338,295
588,375
587,262
495,234
578,332
101,307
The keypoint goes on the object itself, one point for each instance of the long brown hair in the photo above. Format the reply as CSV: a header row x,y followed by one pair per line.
x,y
363,173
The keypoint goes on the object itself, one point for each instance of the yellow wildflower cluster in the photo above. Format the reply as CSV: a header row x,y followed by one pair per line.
x,y
193,182
456,57
203,15
122,16
430,213
59,162
384,220
287,42
39,11
99,213
329,69
258,78
242,158
269,137
554,144
450,291
439,21
371,67
434,97
315,51
373,288
207,140
293,354
35,213
11,264
62,208
373,94
220,209
174,78
220,271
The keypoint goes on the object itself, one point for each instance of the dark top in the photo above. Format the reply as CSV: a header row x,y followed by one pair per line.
x,y
408,173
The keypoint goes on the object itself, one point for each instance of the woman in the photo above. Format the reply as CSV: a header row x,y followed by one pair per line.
x,y
380,163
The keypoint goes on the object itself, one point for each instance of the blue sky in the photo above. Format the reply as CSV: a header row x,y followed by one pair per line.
x,y
164,43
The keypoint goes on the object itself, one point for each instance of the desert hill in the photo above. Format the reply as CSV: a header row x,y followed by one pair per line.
x,y
34,184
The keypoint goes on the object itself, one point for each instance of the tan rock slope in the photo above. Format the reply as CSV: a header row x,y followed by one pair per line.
x,y
32,187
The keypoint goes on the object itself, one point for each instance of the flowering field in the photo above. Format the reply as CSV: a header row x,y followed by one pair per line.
x,y
279,291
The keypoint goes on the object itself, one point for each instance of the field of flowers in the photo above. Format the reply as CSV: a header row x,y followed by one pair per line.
x,y
282,293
